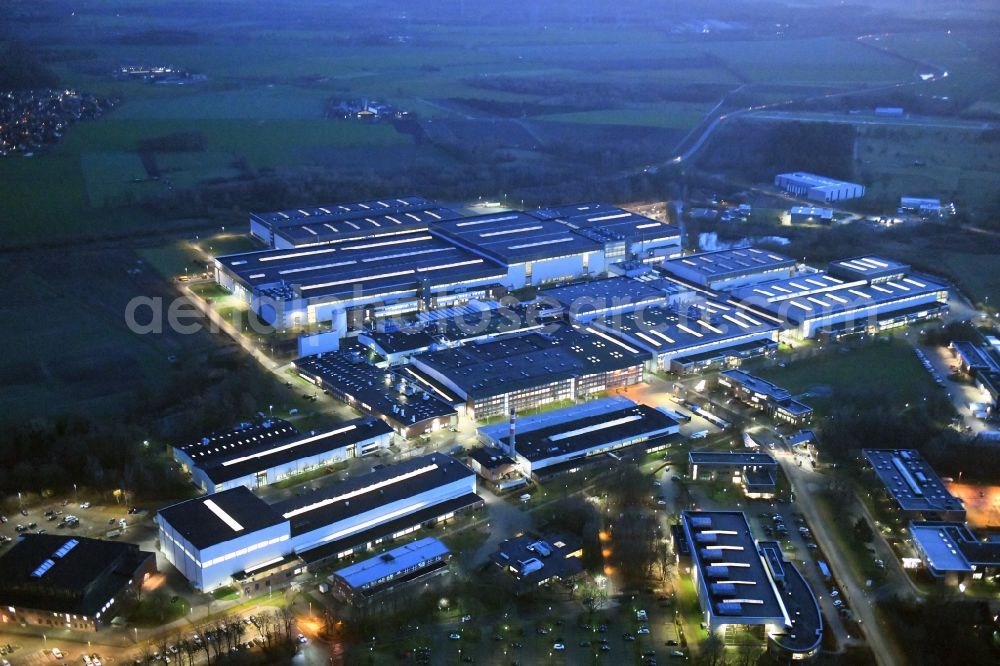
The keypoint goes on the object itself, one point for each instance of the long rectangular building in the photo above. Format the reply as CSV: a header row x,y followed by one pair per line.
x,y
364,580
728,269
749,585
693,337
281,228
523,372
236,536
818,188
914,486
399,273
817,304
259,454
951,552
534,251
762,394
624,234
578,439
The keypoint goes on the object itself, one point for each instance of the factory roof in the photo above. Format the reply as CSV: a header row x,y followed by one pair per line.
x,y
729,458
738,584
579,435
819,182
814,295
318,230
238,462
523,361
66,574
357,495
494,432
603,222
684,329
867,268
595,297
911,481
348,375
405,523
393,562
220,517
515,237
341,211
724,264
349,270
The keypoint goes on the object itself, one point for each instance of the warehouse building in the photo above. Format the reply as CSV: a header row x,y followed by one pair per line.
x,y
953,554
257,454
57,582
871,269
533,251
700,335
357,281
810,215
765,396
624,234
211,539
302,227
747,588
728,269
234,536
364,581
756,473
584,301
357,514
915,488
818,188
409,406
576,440
527,371
818,304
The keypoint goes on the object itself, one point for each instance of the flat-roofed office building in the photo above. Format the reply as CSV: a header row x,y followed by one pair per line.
x,y
914,486
765,396
364,581
748,588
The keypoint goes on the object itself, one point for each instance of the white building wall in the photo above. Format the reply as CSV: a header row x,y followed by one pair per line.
x,y
385,513
808,327
214,566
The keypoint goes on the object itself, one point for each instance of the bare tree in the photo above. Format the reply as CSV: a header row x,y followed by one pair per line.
x,y
287,621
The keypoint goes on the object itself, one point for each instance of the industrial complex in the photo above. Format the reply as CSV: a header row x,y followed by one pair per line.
x,y
234,535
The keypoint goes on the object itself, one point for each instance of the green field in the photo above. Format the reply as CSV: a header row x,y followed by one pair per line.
x,y
260,105
678,116
890,369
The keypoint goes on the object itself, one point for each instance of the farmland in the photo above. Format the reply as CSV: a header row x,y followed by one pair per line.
x,y
262,85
